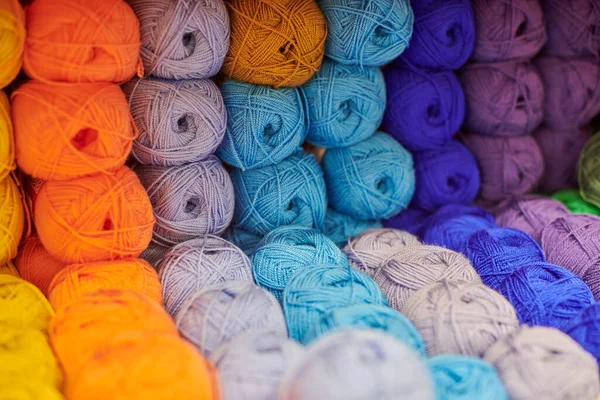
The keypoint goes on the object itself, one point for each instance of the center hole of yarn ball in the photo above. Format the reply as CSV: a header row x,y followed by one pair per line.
x,y
273,127
84,137
345,110
287,48
191,206
291,206
380,35
433,111
521,29
453,33
108,225
521,102
382,185
182,124
452,183
189,41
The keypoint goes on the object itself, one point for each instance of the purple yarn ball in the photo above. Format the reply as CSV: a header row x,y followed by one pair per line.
x,y
410,220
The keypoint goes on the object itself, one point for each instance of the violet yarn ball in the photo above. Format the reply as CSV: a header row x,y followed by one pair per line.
x,y
198,263
503,99
584,328
508,30
246,241
410,220
424,109
572,27
340,227
184,39
189,200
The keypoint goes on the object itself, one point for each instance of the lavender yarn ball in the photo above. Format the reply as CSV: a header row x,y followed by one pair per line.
x,y
288,249
415,267
369,180
178,121
544,363
410,220
318,289
199,263
246,241
190,200
251,365
219,313
264,125
460,317
572,28
369,250
584,328
183,39
345,104
508,30
424,109
289,193
340,227
154,254
357,364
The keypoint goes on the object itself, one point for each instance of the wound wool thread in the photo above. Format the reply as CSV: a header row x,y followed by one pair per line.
x,y
22,305
246,241
7,145
575,203
588,167
340,227
12,34
584,329
12,219
36,265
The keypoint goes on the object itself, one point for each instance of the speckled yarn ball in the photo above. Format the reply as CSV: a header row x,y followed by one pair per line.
x,y
341,227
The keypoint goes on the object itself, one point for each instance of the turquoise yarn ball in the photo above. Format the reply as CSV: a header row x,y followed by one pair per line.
x,y
245,240
339,227
345,104
465,378
291,192
373,179
287,250
264,125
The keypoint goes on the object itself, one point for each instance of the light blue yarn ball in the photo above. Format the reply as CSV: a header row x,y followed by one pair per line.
x,y
367,33
287,250
345,104
246,241
264,125
291,192
373,179
465,378
339,227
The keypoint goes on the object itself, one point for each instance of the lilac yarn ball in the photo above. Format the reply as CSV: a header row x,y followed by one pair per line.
x,y
340,227
584,328
410,220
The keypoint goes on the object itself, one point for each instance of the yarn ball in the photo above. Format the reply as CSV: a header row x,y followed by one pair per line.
x,y
572,28
289,193
189,200
465,378
589,170
424,109
69,131
81,41
367,251
246,241
345,104
219,313
448,175
369,180
575,203
340,227
178,121
544,363
572,87
318,289
23,388
415,267
184,39
287,250
95,218
251,365
7,146
22,305
460,317
275,42
370,33
199,263
509,166
12,219
503,99
35,265
9,269
153,254
357,364
12,37
514,30
410,220
264,125
584,328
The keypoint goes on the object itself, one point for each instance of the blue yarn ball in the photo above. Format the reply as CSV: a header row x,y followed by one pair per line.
x,y
547,295
465,378
449,175
424,109
264,125
345,104
245,240
289,193
584,328
287,250
411,220
318,289
339,227
367,33
370,180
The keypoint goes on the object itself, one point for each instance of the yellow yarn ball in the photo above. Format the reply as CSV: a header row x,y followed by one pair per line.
x,y
12,219
23,305
9,269
21,388
7,147
12,40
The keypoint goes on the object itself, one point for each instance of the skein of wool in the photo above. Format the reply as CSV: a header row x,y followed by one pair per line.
x,y
9,269
179,121
198,263
414,267
246,241
584,328
184,39
7,145
264,125
575,203
544,363
189,200
508,30
345,104
588,171
12,37
80,41
503,99
12,219
36,265
424,109
340,227
26,389
410,220
275,42
361,364
289,193
22,305
369,33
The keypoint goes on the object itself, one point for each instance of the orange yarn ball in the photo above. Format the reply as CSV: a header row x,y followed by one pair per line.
x,y
81,41
275,42
36,265
12,40
95,218
23,305
12,219
69,131
7,147
79,279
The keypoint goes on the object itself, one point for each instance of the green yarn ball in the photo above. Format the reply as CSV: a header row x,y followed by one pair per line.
x,y
575,203
589,171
